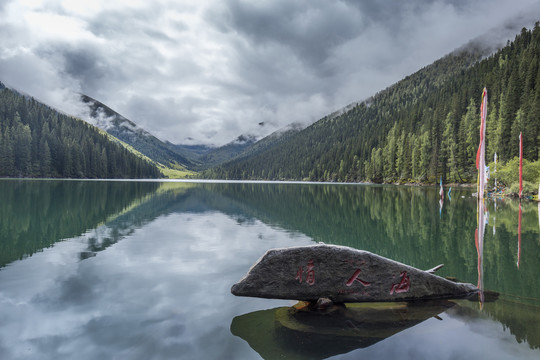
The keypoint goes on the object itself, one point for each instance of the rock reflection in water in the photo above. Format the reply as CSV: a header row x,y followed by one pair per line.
x,y
300,334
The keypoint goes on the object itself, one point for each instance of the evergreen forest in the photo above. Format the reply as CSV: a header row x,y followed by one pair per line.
x,y
421,129
38,141
37,214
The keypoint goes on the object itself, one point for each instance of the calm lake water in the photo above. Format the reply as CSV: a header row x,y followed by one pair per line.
x,y
143,270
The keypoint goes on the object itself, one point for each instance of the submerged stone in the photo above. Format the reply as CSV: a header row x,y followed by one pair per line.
x,y
341,274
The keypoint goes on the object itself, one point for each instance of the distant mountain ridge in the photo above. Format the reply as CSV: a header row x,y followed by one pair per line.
x,y
192,157
269,141
39,141
245,146
120,127
421,128
219,155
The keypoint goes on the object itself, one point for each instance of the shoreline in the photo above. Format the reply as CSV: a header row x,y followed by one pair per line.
x,y
526,196
458,185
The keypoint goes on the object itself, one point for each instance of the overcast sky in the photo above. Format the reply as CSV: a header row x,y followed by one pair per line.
x,y
207,71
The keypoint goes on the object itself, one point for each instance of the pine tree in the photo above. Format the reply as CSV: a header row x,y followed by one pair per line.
x,y
425,156
45,158
38,141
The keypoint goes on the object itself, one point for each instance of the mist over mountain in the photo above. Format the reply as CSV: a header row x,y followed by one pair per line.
x,y
192,157
226,152
420,129
39,141
117,125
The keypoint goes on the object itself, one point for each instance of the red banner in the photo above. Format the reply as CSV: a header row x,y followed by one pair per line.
x,y
520,165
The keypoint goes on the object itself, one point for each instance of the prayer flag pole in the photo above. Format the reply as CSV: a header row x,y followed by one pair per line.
x,y
520,165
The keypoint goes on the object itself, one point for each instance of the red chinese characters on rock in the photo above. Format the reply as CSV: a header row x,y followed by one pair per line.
x,y
310,273
354,278
403,285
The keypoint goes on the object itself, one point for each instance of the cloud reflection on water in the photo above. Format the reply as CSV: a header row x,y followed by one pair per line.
x,y
159,285
162,292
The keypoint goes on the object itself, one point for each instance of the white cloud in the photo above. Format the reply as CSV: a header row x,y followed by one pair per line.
x,y
211,71
157,293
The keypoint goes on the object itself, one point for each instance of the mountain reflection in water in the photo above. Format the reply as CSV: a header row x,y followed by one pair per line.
x,y
144,269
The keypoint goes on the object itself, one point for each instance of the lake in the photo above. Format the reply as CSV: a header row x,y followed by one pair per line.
x,y
143,270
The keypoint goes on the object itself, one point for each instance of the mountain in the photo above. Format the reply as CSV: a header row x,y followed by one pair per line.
x,y
191,152
118,126
244,146
226,152
420,129
274,139
193,157
38,141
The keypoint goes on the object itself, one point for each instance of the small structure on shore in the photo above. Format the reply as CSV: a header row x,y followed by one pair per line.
x,y
342,274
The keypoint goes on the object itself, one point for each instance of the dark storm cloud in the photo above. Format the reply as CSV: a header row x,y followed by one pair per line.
x,y
313,29
283,48
211,71
134,22
81,62
100,70
391,12
159,36
310,29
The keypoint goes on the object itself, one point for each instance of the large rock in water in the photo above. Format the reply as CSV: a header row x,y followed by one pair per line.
x,y
341,274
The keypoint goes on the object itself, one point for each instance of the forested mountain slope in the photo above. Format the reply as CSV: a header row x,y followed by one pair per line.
x,y
422,128
226,152
270,141
118,126
194,157
245,146
38,141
